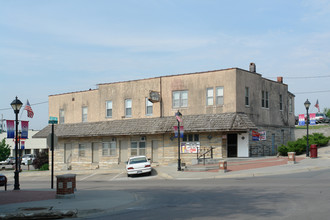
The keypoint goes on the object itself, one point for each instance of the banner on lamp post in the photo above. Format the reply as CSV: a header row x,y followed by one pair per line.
x,y
175,128
10,129
25,129
22,145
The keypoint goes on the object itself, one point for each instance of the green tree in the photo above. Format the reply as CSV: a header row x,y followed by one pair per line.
x,y
327,112
4,150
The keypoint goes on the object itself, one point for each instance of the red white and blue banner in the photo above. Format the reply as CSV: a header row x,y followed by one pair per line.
x,y
255,136
25,129
22,145
10,129
301,119
312,119
176,131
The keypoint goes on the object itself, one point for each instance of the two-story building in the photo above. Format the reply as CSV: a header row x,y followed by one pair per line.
x,y
236,112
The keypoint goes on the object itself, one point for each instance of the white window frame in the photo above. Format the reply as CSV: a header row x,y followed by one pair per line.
x,y
62,118
219,95
128,108
82,150
109,148
247,96
108,106
149,107
139,148
84,111
180,99
209,96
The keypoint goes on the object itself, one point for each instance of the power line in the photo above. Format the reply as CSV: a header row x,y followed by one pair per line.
x,y
311,92
39,103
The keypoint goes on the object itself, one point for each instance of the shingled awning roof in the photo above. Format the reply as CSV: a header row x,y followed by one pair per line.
x,y
144,126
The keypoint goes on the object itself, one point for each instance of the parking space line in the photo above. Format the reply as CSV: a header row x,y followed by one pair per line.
x,y
116,176
93,174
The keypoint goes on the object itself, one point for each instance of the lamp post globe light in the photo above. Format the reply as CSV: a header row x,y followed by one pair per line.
x,y
16,105
307,104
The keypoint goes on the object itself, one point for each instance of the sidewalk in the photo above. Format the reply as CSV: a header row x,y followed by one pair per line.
x,y
41,203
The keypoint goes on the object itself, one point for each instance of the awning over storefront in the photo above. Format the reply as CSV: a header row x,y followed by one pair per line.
x,y
239,122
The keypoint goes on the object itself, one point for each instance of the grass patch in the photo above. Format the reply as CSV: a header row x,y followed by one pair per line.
x,y
312,127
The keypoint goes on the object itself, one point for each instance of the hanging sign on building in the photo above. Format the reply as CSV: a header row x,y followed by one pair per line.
x,y
262,135
255,136
301,119
190,147
154,96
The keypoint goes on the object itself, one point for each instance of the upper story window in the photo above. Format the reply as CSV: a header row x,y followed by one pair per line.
x,y
128,108
180,99
219,95
290,105
61,116
148,107
84,113
247,96
209,96
109,109
264,99
281,102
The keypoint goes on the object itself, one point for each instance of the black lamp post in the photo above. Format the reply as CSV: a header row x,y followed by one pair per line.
x,y
178,116
16,105
307,104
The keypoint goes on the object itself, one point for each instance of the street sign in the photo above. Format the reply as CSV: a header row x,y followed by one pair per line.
x,y
49,140
53,120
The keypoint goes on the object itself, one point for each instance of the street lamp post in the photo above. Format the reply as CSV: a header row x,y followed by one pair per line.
x,y
178,116
307,104
16,105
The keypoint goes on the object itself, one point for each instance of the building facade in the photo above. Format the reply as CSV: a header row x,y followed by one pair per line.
x,y
227,113
31,145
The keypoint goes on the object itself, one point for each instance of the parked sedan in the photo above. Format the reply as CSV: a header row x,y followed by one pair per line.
x,y
27,159
138,165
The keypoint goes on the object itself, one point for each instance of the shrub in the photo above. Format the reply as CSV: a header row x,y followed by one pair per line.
x,y
41,159
299,146
45,167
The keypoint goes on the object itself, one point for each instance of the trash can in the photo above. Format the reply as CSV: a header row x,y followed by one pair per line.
x,y
291,157
66,185
313,150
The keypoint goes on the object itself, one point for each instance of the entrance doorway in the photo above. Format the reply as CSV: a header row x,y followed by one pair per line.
x,y
232,145
154,151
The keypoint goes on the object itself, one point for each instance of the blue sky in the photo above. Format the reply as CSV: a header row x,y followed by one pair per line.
x,y
52,47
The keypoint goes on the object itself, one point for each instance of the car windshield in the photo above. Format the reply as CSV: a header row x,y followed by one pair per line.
x,y
138,160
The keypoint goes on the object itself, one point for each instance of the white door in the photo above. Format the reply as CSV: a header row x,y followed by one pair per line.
x,y
243,145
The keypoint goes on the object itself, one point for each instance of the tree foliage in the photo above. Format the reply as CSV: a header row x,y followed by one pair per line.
x,y
4,150
327,112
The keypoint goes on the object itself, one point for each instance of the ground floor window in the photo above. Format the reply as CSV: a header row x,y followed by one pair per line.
x,y
82,150
138,148
109,149
191,137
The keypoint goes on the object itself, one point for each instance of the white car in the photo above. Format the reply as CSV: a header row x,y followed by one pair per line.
x,y
27,159
138,165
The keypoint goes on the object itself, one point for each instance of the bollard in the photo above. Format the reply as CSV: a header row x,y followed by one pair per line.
x,y
291,157
223,166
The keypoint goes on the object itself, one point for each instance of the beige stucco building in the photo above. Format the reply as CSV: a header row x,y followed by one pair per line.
x,y
223,110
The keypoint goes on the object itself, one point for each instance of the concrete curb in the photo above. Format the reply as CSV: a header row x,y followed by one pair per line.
x,y
49,213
